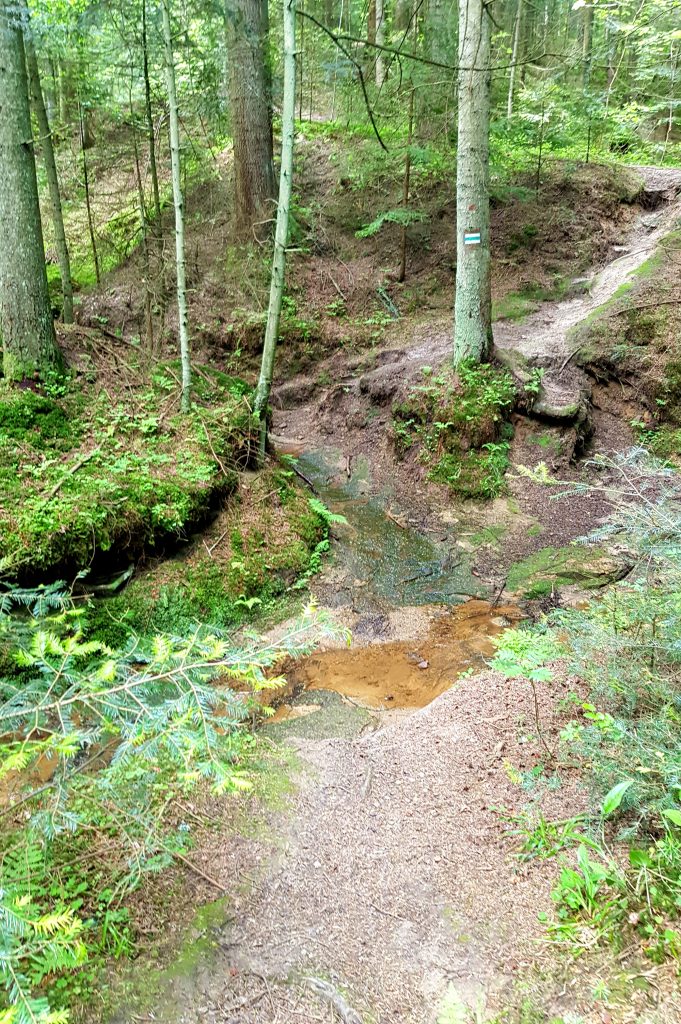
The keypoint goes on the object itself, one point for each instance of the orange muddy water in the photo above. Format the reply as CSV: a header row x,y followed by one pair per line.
x,y
406,675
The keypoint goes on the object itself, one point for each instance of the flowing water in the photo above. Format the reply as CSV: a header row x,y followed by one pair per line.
x,y
382,559
381,562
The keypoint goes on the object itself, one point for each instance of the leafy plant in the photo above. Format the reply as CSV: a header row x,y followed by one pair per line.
x,y
626,646
112,730
402,216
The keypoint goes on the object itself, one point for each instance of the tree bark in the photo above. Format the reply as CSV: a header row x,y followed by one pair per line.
x,y
405,188
587,33
88,204
250,115
150,122
262,394
401,15
515,54
47,148
473,305
178,202
26,327
439,29
380,41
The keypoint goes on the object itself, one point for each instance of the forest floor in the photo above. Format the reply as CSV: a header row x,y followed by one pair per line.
x,y
384,887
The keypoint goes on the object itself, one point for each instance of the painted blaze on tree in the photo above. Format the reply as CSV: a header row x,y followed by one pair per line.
x,y
26,327
473,305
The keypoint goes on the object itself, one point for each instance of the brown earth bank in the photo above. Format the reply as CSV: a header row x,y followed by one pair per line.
x,y
342,291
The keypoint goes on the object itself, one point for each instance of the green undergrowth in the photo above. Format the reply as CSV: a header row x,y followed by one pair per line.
x,y
516,305
261,548
459,422
635,333
83,474
620,884
116,764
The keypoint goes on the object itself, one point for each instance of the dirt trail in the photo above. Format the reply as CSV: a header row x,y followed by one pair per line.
x,y
543,338
390,881
393,878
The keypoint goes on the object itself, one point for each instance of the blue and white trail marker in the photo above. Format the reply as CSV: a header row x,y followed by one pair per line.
x,y
471,238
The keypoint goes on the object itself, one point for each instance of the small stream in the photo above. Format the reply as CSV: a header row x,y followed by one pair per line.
x,y
381,563
381,559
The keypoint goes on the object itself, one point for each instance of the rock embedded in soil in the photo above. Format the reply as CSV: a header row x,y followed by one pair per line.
x,y
549,568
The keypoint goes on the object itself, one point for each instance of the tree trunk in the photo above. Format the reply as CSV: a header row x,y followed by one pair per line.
x,y
262,394
405,188
178,202
150,122
439,29
88,204
473,306
250,115
515,54
371,24
380,41
52,178
26,327
587,33
402,15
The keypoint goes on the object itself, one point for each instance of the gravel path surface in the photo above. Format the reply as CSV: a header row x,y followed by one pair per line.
x,y
393,876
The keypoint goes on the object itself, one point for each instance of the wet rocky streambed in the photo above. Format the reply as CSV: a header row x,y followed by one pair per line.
x,y
382,566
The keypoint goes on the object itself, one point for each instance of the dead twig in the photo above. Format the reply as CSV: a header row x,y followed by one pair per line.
x,y
304,478
327,991
214,453
198,871
73,469
396,521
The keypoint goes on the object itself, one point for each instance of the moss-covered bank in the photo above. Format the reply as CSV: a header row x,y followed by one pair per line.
x,y
458,421
88,474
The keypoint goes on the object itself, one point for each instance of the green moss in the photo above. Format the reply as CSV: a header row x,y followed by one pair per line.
x,y
459,421
618,332
34,418
516,305
537,575
80,477
260,557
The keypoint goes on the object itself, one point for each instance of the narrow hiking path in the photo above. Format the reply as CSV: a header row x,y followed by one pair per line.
x,y
388,879
543,338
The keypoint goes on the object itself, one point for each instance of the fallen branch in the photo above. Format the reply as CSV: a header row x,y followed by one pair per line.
x,y
333,996
646,305
304,478
396,521
73,469
210,445
197,870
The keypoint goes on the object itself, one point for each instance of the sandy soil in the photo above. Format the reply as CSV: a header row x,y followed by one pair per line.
x,y
393,876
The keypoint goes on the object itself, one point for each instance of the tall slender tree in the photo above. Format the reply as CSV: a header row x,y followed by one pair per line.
x,y
473,304
250,113
262,394
47,149
178,203
26,327
379,6
515,55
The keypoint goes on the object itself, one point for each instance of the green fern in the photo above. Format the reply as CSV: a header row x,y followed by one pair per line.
x,y
401,216
166,707
325,514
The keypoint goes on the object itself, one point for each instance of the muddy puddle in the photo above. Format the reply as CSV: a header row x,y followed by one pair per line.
x,y
399,674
